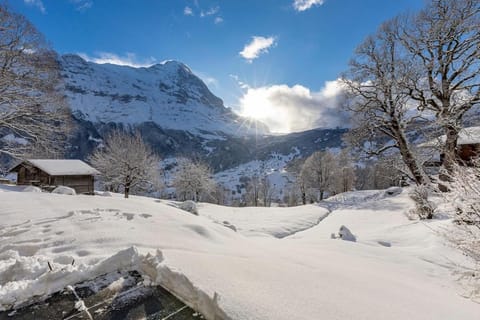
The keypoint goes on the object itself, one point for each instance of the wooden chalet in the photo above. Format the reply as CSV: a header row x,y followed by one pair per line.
x,y
468,147
48,174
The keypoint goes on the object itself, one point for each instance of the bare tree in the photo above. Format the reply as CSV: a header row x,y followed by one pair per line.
x,y
193,181
443,45
292,197
378,100
380,173
344,174
252,196
127,163
266,191
33,113
302,180
318,172
221,195
463,205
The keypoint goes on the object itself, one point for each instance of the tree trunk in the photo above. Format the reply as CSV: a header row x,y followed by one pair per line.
x,y
127,187
304,198
449,156
407,155
450,148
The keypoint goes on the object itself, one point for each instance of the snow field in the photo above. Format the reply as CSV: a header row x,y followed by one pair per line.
x,y
249,274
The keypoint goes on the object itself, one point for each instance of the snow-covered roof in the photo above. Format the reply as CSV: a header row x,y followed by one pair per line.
x,y
470,135
63,167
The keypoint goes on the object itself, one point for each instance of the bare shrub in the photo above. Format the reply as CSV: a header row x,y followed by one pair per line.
x,y
424,208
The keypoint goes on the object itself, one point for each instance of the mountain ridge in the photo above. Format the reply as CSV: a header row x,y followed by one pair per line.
x,y
169,94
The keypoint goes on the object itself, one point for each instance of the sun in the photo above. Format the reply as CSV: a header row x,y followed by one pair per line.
x,y
257,105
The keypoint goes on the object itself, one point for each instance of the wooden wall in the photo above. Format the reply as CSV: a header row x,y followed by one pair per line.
x,y
81,184
28,175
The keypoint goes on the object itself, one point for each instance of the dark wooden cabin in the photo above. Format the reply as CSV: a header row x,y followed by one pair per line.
x,y
48,174
468,148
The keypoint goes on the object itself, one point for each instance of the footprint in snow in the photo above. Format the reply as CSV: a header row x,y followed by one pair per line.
x,y
129,216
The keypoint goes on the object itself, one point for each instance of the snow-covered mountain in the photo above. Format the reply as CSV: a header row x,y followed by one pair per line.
x,y
175,112
168,94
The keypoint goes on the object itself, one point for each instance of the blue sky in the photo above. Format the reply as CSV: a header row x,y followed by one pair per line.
x,y
285,77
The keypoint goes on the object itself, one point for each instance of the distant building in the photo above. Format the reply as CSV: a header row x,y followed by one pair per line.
x,y
48,174
468,147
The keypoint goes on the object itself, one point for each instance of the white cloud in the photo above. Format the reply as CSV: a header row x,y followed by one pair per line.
x,y
210,12
188,11
256,47
291,109
198,11
302,5
129,59
36,3
82,5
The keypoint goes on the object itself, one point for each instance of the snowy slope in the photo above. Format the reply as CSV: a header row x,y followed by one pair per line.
x,y
168,94
274,168
261,221
239,275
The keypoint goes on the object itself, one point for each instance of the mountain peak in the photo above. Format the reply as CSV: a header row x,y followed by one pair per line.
x,y
174,65
168,93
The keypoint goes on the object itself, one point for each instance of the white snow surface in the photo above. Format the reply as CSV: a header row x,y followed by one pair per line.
x,y
265,222
239,275
63,167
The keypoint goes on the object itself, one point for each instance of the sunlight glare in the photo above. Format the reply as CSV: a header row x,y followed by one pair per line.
x,y
256,104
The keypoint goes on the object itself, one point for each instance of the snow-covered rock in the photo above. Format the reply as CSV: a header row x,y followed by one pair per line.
x,y
189,206
393,191
32,189
345,234
64,190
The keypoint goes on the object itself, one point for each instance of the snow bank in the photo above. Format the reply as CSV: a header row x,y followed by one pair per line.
x,y
27,277
39,281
